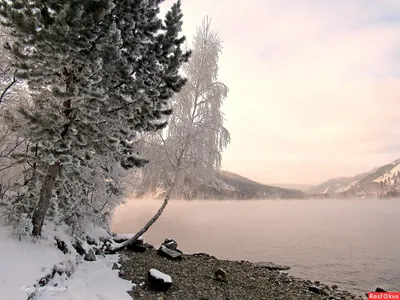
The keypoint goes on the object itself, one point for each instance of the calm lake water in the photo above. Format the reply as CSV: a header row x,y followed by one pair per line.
x,y
352,243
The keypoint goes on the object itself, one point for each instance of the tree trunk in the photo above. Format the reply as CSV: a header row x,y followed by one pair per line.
x,y
53,170
147,226
44,198
152,220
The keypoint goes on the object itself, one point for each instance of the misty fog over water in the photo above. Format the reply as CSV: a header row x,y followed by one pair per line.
x,y
352,243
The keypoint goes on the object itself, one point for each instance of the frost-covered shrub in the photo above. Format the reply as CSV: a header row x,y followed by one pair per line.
x,y
23,226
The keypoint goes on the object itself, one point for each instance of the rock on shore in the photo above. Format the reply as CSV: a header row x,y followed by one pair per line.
x,y
159,280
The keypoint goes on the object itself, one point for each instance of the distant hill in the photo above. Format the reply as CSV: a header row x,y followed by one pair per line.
x,y
380,181
294,186
227,185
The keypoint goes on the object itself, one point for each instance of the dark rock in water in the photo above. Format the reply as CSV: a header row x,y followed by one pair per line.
x,y
271,266
90,256
335,287
204,255
61,245
148,246
136,247
170,244
317,282
139,242
380,290
170,254
317,290
78,247
220,275
158,280
115,267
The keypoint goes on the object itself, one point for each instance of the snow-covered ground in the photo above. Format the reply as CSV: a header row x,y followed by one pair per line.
x,y
93,280
23,263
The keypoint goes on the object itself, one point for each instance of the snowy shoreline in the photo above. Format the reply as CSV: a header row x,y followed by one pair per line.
x,y
126,275
36,269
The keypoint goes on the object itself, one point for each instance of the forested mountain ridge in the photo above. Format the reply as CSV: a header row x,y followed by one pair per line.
x,y
380,181
230,186
228,183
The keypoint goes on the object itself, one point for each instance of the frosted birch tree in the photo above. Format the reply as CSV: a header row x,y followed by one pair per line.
x,y
189,150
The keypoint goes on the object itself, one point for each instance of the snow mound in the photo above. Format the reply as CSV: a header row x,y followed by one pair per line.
x,y
92,281
23,263
96,233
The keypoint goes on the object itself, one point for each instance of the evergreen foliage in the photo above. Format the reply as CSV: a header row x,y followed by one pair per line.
x,y
98,73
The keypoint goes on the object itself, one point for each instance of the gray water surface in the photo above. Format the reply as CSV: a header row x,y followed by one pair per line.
x,y
352,243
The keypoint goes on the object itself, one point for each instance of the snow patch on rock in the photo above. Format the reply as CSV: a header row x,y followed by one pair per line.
x,y
160,275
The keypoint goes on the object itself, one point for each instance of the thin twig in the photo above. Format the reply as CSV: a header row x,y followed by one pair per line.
x,y
8,87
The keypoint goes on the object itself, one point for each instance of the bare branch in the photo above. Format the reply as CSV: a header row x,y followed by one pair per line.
x,y
14,81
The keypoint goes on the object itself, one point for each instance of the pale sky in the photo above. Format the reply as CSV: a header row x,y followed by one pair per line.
x,y
314,85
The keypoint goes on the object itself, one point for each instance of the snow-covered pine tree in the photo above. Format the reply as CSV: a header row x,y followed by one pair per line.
x,y
98,73
190,148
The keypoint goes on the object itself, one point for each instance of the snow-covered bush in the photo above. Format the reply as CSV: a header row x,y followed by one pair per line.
x,y
23,226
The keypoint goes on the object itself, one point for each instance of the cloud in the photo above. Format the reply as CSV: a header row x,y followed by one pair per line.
x,y
314,85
